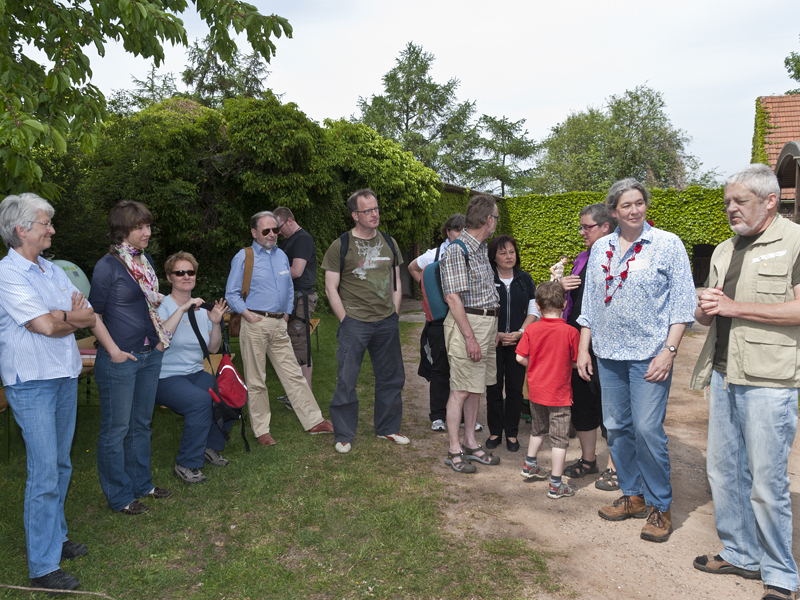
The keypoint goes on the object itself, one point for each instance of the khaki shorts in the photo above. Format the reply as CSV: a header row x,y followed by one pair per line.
x,y
552,419
465,374
297,329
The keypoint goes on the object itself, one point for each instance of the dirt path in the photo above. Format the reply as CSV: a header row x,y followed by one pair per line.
x,y
596,559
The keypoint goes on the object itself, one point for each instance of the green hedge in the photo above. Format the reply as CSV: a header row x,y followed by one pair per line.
x,y
547,226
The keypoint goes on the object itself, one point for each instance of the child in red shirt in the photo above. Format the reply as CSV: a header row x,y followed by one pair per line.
x,y
549,349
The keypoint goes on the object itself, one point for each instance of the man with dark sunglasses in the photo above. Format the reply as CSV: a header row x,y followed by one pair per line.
x,y
265,308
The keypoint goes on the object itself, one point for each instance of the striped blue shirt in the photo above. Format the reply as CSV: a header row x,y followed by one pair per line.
x,y
28,293
658,292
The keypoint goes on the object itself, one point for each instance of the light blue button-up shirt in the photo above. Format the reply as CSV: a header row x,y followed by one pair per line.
x,y
658,293
28,293
271,288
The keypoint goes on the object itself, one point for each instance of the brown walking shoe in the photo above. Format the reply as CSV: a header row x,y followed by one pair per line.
x,y
625,507
658,527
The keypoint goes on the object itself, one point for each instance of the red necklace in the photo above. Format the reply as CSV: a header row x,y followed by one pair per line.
x,y
623,275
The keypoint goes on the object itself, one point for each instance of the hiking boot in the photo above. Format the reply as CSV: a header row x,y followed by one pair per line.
x,y
215,458
625,507
536,472
189,475
716,564
57,580
658,527
71,550
562,491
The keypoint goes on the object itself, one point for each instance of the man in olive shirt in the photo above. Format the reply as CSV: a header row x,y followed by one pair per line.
x,y
750,361
365,294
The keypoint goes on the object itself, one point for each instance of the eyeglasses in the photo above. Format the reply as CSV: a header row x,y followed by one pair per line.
x,y
47,225
265,232
190,273
370,211
587,227
495,217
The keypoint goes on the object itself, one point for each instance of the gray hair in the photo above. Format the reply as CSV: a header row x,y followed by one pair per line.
x,y
758,179
622,186
20,210
259,215
600,213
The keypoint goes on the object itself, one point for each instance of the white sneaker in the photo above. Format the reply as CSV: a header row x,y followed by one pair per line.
x,y
343,448
478,426
397,438
438,425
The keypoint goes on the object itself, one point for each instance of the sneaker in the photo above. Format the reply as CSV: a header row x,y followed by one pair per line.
x,y
343,448
71,550
134,508
478,426
717,564
625,507
57,580
438,425
188,475
658,527
562,491
397,438
159,493
536,472
285,401
215,458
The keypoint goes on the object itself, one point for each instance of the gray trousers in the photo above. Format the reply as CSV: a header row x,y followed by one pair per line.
x,y
382,339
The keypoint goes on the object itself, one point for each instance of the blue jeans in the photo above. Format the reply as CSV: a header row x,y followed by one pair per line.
x,y
750,435
45,411
382,339
127,397
634,412
188,395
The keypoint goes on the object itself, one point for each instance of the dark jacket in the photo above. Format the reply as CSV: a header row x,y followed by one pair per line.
x,y
514,310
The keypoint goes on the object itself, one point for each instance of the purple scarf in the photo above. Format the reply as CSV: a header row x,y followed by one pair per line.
x,y
577,266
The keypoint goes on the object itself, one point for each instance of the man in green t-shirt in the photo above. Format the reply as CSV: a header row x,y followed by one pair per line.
x,y
365,294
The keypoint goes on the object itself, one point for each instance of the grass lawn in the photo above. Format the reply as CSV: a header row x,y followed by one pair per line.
x,y
295,520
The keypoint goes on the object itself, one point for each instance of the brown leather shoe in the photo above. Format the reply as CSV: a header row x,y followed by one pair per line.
x,y
625,507
324,427
265,439
658,527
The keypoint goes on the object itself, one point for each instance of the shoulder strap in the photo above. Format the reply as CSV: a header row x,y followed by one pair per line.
x,y
249,259
464,248
436,258
395,261
203,347
344,246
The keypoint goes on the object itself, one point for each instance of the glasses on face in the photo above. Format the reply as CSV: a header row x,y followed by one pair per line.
x,y
587,227
190,273
47,225
496,217
265,232
370,211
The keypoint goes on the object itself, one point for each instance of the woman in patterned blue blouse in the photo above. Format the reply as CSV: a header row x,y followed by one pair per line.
x,y
639,298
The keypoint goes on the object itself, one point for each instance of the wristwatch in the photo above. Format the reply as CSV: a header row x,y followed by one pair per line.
x,y
673,349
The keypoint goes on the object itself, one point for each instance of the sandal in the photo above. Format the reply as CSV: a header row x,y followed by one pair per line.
x,y
608,481
580,468
460,463
485,458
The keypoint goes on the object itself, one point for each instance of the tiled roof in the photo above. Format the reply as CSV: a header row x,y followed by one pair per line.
x,y
784,120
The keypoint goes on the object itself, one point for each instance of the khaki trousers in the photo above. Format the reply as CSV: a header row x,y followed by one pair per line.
x,y
268,338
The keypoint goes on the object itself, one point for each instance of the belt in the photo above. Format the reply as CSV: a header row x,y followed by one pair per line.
x,y
143,350
484,312
267,314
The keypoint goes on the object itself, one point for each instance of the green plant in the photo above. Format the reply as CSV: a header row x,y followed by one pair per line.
x,y
758,154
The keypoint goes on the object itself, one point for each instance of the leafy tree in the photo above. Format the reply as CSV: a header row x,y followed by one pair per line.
x,y
425,117
792,64
632,137
42,104
506,146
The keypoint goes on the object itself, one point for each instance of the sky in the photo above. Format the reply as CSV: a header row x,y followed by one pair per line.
x,y
532,60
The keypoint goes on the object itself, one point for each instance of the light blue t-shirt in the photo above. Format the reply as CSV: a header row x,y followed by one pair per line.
x,y
184,355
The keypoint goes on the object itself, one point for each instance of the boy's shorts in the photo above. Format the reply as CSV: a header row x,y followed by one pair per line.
x,y
555,419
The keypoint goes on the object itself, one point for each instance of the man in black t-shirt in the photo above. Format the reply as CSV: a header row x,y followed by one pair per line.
x,y
299,247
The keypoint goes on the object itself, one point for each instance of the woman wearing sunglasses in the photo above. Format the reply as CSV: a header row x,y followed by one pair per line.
x,y
183,384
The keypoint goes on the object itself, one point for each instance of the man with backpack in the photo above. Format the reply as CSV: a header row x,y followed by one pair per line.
x,y
362,281
260,289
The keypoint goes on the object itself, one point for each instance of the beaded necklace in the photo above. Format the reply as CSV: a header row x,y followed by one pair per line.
x,y
623,275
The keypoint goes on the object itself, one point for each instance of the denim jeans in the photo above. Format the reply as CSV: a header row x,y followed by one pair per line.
x,y
750,435
45,411
127,397
188,395
634,412
382,339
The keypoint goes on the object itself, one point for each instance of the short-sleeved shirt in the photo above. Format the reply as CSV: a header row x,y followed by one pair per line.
x,y
28,293
474,284
423,260
121,302
366,285
301,245
184,355
551,347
